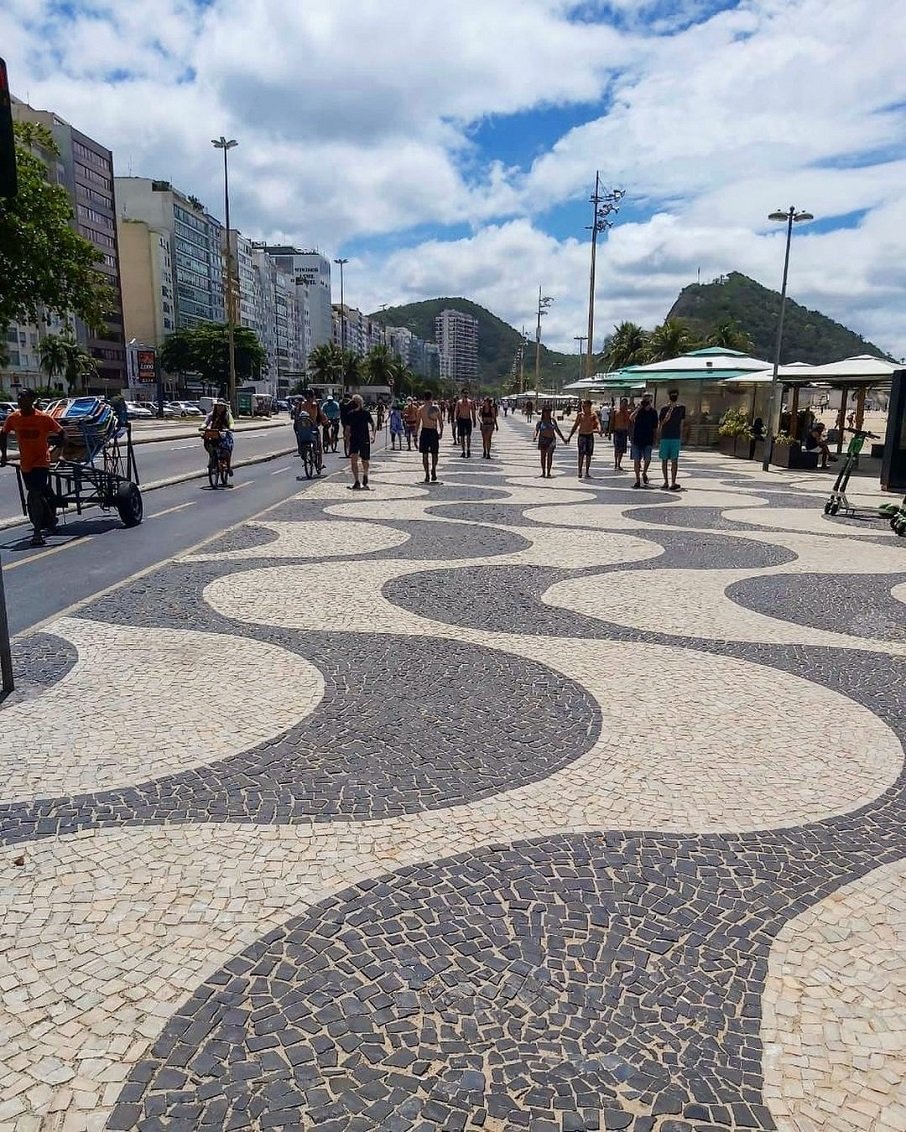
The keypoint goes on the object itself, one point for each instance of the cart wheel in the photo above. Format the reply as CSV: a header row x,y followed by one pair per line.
x,y
129,504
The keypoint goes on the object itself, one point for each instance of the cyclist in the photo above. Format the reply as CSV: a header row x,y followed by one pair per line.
x,y
220,419
306,437
311,406
36,433
331,410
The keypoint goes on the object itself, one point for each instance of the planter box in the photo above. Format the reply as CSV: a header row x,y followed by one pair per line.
x,y
758,451
792,456
727,445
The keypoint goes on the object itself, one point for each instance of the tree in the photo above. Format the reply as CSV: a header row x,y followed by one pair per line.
x,y
669,340
204,350
45,265
378,363
325,364
352,369
53,356
627,346
730,335
80,366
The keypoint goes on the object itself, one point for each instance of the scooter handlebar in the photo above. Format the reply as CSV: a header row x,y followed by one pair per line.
x,y
862,432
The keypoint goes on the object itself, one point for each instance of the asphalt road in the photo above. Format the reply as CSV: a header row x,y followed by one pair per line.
x,y
95,552
167,458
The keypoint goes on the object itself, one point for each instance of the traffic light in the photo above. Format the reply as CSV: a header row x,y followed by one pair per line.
x,y
8,185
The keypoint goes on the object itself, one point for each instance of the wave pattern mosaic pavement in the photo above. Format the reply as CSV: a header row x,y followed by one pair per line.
x,y
528,805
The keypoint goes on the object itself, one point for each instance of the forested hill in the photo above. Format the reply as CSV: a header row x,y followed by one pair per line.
x,y
808,336
497,341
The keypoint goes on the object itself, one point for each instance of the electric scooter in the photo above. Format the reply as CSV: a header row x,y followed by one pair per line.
x,y
838,498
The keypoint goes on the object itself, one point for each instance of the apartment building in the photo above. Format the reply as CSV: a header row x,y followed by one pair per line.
x,y
84,168
456,335
196,248
311,272
282,327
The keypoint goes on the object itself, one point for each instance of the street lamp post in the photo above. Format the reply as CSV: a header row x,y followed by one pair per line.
x,y
341,262
580,338
790,217
226,145
604,205
544,301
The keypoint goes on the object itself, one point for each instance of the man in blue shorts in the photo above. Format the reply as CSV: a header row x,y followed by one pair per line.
x,y
671,430
642,428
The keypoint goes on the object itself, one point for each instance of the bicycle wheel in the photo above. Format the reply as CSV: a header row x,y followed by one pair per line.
x,y
333,439
308,461
213,470
223,470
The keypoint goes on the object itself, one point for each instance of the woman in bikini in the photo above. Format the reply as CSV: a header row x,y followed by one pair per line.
x,y
546,432
487,416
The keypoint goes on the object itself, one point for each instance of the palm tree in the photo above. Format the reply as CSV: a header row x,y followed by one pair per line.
x,y
53,356
352,369
325,364
627,346
669,340
378,364
80,365
730,335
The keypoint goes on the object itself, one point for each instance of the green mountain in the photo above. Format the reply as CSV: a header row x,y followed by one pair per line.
x,y
497,342
808,336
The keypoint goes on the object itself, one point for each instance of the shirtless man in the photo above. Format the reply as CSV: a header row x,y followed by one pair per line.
x,y
588,423
410,422
465,420
431,424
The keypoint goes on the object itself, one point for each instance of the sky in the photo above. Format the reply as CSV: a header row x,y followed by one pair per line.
x,y
451,149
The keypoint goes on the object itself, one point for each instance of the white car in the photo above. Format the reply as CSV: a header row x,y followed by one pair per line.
x,y
184,409
138,412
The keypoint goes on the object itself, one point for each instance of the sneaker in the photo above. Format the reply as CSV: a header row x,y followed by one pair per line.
x,y
427,479
434,477
636,484
675,487
644,479
666,486
354,486
364,481
37,540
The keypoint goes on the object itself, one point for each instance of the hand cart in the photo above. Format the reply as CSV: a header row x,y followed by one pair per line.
x,y
97,466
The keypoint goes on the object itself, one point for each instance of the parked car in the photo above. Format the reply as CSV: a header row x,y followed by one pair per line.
x,y
136,412
7,407
169,414
185,409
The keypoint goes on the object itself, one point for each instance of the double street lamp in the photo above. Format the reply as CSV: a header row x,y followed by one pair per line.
x,y
789,217
341,262
581,339
544,301
226,145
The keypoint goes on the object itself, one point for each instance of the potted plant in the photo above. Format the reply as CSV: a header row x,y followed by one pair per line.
x,y
785,451
733,433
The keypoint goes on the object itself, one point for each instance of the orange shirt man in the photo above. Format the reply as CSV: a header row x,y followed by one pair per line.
x,y
33,430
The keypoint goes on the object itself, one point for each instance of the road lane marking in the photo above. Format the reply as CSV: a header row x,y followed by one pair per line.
x,y
182,447
280,471
170,510
77,540
239,487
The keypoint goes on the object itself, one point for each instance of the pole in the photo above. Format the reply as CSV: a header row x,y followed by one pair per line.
x,y
538,345
6,660
772,403
580,338
596,204
230,313
522,362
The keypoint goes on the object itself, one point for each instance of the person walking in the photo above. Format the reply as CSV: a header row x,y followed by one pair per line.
x,y
362,430
620,423
546,432
36,433
449,411
431,429
642,433
488,420
587,423
465,420
410,422
397,428
671,419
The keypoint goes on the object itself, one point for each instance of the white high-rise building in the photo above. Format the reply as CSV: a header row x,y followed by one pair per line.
x,y
456,335
311,272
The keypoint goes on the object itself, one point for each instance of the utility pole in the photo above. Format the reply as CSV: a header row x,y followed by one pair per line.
x,y
604,205
544,301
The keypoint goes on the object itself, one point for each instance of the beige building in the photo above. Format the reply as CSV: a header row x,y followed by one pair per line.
x,y
146,272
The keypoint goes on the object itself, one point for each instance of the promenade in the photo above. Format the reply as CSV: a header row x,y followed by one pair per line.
x,y
503,803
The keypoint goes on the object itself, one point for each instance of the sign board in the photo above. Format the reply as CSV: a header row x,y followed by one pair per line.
x,y
147,371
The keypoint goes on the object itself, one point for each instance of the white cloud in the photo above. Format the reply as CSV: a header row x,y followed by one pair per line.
x,y
356,118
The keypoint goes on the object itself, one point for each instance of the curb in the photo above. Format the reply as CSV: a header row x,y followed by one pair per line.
x,y
185,477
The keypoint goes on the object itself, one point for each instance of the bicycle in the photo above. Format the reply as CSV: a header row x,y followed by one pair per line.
x,y
307,450
218,459
333,435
